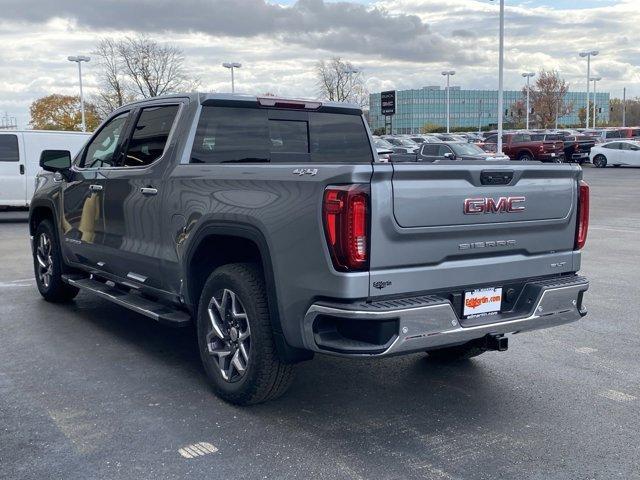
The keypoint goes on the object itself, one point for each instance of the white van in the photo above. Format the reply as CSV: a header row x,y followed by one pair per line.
x,y
20,157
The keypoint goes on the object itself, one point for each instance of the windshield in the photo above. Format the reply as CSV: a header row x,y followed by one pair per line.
x,y
467,149
381,143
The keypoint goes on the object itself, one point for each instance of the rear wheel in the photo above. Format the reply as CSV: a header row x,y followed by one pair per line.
x,y
457,353
48,265
600,161
525,157
235,337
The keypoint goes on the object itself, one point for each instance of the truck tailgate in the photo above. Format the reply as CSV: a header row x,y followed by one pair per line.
x,y
422,239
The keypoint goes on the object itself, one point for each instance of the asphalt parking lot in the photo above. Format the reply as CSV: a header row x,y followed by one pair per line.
x,y
89,390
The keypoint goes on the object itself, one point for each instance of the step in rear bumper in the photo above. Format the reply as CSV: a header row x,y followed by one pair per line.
x,y
431,322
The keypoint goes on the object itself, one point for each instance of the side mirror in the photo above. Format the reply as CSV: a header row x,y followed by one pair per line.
x,y
55,160
449,156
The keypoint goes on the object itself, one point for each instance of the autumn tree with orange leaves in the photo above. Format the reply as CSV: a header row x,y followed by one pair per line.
x,y
62,112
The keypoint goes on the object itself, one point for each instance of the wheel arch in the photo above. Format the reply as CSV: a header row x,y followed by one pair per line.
x,y
525,151
218,243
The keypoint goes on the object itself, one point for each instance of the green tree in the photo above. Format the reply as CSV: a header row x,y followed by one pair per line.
x,y
62,112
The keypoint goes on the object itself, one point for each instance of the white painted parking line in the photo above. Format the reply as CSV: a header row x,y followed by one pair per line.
x,y
617,396
586,350
197,450
15,284
613,229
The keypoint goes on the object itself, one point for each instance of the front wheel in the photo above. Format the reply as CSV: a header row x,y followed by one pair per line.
x,y
600,161
235,337
48,265
525,157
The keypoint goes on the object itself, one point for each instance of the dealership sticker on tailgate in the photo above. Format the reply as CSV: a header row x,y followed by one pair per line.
x,y
482,301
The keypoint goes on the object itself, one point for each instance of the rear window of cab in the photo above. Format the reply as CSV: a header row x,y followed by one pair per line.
x,y
252,135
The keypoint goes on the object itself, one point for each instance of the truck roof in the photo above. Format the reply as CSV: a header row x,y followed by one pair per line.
x,y
243,97
54,132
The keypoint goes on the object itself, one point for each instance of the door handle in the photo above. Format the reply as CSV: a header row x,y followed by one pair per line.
x,y
149,191
95,188
21,169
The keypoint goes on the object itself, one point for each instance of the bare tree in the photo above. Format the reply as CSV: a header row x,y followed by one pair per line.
x,y
113,91
153,69
547,98
138,67
340,81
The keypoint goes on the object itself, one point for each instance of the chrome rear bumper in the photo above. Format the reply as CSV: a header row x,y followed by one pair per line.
x,y
430,322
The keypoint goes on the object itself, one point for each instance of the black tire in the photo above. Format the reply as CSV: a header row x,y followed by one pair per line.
x,y
525,157
616,165
457,353
264,377
48,265
600,161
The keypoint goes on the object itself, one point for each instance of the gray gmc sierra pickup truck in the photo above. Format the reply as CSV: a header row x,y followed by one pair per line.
x,y
272,225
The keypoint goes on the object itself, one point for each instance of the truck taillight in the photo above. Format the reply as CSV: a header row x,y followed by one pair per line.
x,y
583,215
345,212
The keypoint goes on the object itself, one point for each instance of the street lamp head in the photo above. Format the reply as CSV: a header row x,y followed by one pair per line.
x,y
592,53
78,58
449,72
595,79
528,74
231,65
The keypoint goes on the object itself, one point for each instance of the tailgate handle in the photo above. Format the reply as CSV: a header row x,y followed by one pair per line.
x,y
496,178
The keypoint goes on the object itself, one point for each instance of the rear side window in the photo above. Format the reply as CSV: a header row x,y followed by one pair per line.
x,y
150,135
9,148
235,135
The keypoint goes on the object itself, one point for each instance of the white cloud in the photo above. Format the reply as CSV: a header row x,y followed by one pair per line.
x,y
398,43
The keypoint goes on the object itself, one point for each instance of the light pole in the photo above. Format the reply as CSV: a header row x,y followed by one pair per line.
x,y
79,59
528,75
500,79
594,80
351,72
448,73
231,66
588,54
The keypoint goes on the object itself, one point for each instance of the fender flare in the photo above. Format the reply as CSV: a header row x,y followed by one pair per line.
x,y
250,232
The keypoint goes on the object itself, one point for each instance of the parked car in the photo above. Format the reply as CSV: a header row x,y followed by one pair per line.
x,y
433,152
617,153
19,156
601,136
402,144
450,137
520,146
630,132
269,224
420,139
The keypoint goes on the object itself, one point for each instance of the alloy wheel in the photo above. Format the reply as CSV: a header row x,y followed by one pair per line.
x,y
44,259
229,340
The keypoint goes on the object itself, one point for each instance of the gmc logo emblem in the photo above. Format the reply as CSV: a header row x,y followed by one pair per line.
x,y
474,206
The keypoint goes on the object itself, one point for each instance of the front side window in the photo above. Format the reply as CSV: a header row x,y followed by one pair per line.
x,y
443,149
612,146
9,148
430,150
150,135
236,134
102,150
